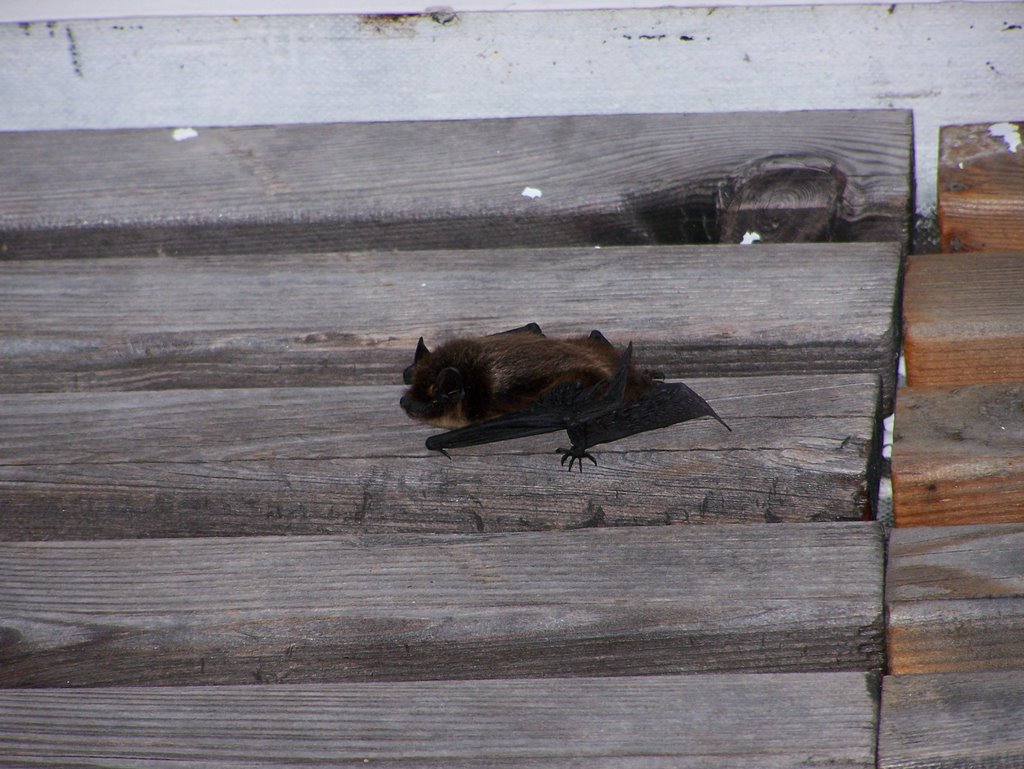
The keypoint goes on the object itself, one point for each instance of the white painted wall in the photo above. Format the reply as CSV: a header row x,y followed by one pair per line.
x,y
949,62
45,10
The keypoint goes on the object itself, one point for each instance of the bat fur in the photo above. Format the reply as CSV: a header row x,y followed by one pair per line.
x,y
520,382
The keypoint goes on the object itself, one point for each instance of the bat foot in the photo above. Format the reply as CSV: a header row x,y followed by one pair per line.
x,y
575,454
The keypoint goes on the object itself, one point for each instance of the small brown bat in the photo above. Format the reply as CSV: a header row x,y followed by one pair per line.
x,y
520,382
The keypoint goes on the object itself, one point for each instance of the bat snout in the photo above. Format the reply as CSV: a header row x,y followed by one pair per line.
x,y
417,409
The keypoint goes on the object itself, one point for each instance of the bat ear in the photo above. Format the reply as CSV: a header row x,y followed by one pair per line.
x,y
421,350
449,384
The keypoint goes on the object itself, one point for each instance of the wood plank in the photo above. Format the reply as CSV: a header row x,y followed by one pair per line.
x,y
981,187
335,460
964,320
667,721
354,318
957,455
952,720
955,598
638,601
607,179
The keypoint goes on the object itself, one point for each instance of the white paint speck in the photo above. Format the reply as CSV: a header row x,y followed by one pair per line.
x,y
887,427
749,238
531,192
960,165
1008,132
184,134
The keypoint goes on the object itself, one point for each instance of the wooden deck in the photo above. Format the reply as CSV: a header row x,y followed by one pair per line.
x,y
223,543
955,575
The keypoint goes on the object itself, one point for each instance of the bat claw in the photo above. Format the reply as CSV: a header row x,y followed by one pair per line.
x,y
575,454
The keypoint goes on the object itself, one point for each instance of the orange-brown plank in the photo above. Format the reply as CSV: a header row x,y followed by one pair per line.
x,y
958,455
981,187
955,599
964,319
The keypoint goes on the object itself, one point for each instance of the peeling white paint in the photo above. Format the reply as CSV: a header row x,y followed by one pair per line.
x,y
1008,132
749,238
184,134
531,192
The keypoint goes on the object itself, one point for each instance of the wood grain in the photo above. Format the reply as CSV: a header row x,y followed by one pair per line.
x,y
692,722
952,720
958,455
955,598
804,597
981,187
764,198
611,179
334,460
354,318
964,319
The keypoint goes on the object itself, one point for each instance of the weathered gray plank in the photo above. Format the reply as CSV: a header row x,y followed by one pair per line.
x,y
764,721
626,179
333,460
804,597
354,318
952,720
956,598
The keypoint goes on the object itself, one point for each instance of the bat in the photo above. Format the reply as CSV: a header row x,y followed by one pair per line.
x,y
519,383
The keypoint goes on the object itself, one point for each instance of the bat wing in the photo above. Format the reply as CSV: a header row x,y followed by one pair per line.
x,y
662,405
541,417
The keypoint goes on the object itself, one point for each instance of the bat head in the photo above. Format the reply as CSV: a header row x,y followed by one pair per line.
x,y
440,384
